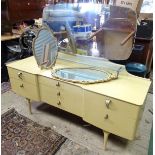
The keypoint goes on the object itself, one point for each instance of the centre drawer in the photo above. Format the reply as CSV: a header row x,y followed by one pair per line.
x,y
71,97
60,94
22,76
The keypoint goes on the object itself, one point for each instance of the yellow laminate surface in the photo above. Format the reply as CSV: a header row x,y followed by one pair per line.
x,y
22,76
119,117
115,106
25,89
127,87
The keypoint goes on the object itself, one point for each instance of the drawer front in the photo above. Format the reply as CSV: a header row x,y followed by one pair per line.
x,y
47,82
49,95
25,89
22,76
71,98
62,95
119,118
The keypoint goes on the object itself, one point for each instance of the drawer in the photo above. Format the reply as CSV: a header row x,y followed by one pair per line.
x,y
63,95
71,98
116,107
119,118
48,94
25,89
47,81
22,76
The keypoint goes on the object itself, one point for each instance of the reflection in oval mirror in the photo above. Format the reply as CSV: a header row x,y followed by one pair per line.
x,y
45,48
83,75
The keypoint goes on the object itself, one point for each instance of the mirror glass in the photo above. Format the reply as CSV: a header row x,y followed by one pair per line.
x,y
83,75
45,48
92,29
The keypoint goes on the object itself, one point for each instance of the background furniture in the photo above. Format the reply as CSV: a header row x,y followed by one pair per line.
x,y
14,11
143,45
6,39
144,56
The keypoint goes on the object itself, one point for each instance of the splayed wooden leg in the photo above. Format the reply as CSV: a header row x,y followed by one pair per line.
x,y
106,135
29,102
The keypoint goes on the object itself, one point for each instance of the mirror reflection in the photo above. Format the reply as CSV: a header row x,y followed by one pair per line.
x,y
92,29
83,75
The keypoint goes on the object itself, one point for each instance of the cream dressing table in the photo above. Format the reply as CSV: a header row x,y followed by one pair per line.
x,y
115,106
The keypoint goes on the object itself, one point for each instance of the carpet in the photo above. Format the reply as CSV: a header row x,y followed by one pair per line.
x,y
22,136
5,86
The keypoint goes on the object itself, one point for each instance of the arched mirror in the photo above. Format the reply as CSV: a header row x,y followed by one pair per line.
x,y
93,29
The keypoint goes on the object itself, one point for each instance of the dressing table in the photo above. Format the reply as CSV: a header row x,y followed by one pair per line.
x,y
102,93
115,106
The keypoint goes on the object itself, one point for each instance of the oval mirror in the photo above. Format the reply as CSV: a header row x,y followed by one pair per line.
x,y
45,48
83,75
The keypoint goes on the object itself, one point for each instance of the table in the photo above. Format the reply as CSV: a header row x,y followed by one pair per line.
x,y
9,37
115,106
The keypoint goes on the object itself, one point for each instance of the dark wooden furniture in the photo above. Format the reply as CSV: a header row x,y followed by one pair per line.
x,y
23,10
14,11
144,56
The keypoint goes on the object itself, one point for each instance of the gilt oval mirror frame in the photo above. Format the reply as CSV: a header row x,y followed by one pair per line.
x,y
45,48
83,75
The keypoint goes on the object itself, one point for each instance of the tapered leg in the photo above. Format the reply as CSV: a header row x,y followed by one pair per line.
x,y
29,102
106,135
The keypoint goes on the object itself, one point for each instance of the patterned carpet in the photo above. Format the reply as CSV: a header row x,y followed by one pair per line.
x,y
5,86
21,135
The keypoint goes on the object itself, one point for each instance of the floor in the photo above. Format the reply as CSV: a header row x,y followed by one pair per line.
x,y
83,138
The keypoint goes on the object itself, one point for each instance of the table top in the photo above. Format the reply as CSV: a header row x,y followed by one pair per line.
x,y
127,87
9,37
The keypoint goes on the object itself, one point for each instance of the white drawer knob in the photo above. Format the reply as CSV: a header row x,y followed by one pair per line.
x,y
107,103
20,75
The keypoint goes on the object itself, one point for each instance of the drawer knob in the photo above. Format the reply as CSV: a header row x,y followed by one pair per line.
x,y
107,103
21,86
59,103
58,84
20,75
106,116
58,94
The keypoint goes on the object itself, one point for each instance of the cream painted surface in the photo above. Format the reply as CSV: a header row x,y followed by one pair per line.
x,y
130,89
25,89
25,77
116,107
47,82
27,65
72,98
49,95
122,117
127,87
127,94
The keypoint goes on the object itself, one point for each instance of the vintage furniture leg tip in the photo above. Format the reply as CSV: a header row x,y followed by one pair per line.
x,y
106,135
29,102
